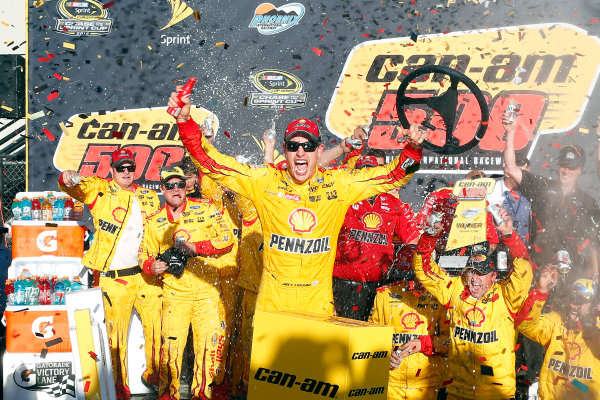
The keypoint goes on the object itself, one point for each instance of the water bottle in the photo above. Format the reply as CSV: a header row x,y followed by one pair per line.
x,y
47,209
26,209
78,211
20,298
68,209
76,285
45,295
58,210
33,291
36,209
59,293
16,209
67,283
9,290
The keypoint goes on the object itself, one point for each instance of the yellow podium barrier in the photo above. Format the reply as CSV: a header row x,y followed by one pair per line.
x,y
300,355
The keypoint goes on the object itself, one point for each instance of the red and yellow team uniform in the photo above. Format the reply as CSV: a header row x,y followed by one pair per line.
x,y
300,221
414,314
194,298
483,336
571,366
109,205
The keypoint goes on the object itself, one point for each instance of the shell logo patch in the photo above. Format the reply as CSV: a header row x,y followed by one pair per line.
x,y
475,316
119,214
411,321
372,221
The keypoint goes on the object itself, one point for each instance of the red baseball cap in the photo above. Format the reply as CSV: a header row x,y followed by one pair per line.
x,y
366,161
121,156
303,126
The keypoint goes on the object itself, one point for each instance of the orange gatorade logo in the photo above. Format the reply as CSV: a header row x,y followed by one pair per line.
x,y
475,316
43,327
573,350
302,220
47,241
152,135
534,67
372,221
411,321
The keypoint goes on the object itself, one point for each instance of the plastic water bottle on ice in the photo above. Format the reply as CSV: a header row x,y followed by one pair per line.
x,y
59,293
16,209
20,297
58,210
45,295
9,290
46,209
26,209
76,285
36,209
68,209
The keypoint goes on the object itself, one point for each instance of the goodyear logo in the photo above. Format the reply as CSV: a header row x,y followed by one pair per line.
x,y
82,18
277,89
152,136
269,20
534,66
302,220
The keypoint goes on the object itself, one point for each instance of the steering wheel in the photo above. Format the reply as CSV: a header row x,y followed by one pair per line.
x,y
446,105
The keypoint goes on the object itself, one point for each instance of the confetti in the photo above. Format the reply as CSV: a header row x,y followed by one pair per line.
x,y
7,108
317,51
180,65
109,4
54,342
48,134
584,130
86,387
197,15
52,95
36,115
121,281
226,134
93,355
414,36
579,385
487,370
57,76
68,45
43,353
219,44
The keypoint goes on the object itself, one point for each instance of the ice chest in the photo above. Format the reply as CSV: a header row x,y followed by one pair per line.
x,y
31,329
300,355
47,238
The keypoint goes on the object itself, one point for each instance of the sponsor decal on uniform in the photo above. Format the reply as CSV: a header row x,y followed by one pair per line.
x,y
573,350
299,245
291,196
277,89
302,220
403,338
472,336
181,235
195,207
56,379
533,66
475,315
368,237
107,226
269,20
47,241
82,18
371,220
150,134
216,358
119,214
411,321
283,379
571,371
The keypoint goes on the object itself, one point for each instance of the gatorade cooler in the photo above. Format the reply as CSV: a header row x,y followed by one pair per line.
x,y
47,238
305,356
37,329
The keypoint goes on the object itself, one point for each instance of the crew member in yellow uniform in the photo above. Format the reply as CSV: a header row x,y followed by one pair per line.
x,y
301,209
571,336
481,358
418,368
199,231
119,208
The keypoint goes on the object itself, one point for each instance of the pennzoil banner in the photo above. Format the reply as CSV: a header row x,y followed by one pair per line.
x,y
104,83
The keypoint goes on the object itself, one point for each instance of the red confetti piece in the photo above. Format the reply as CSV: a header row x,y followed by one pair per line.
x,y
446,32
121,281
57,76
347,112
52,95
593,21
446,383
557,145
399,28
366,35
359,288
43,59
545,165
227,133
379,32
354,308
48,134
481,359
296,67
413,2
418,372
86,387
434,11
93,355
319,52
50,55
109,4
524,367
321,38
326,19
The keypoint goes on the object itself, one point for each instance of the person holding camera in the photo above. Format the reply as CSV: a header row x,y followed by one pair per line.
x,y
569,334
184,242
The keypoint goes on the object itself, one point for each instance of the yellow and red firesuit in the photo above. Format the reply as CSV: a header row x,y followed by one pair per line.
x,y
414,314
195,297
481,359
109,205
571,366
300,221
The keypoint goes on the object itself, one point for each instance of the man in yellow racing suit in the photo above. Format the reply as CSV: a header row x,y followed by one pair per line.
x,y
119,209
570,335
301,208
481,359
420,336
196,228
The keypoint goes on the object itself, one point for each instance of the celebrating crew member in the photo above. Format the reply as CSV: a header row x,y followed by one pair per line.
x,y
192,233
365,250
190,170
570,335
481,358
119,208
301,208
420,333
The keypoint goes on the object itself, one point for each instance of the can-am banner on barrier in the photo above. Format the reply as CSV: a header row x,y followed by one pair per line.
x,y
100,73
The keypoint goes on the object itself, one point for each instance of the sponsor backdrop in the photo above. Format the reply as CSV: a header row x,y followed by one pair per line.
x,y
100,73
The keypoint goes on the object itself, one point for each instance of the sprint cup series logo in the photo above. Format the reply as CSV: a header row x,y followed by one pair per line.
x,y
269,20
278,89
534,66
81,18
151,134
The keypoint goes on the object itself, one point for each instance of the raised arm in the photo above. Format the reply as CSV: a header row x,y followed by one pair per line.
x,y
510,162
344,148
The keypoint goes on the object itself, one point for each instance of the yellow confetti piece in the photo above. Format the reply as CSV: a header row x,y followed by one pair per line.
x,y
38,3
69,45
219,44
246,134
6,108
63,128
141,65
5,23
149,47
99,56
180,65
36,115
584,130
65,79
